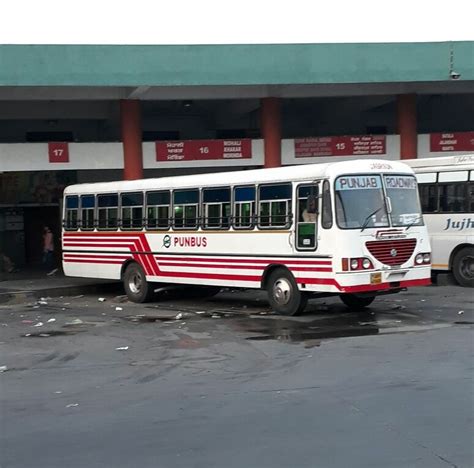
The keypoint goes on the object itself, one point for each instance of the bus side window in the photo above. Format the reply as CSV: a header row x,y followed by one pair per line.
x,y
326,220
216,208
470,195
158,210
244,207
274,206
107,210
185,209
452,197
87,212
131,210
72,210
428,197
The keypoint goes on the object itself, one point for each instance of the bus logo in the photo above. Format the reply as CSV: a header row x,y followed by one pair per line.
x,y
166,241
393,252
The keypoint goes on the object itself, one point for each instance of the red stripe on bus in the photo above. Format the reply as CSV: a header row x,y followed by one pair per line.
x,y
71,244
237,267
141,260
79,255
150,256
103,234
246,260
217,276
95,261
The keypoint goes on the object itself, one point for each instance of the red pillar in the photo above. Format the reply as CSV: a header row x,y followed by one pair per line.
x,y
406,120
132,139
271,131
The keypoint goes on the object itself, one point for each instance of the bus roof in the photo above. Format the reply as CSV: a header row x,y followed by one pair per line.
x,y
280,174
442,163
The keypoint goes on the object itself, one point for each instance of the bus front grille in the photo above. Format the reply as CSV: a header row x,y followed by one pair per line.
x,y
392,252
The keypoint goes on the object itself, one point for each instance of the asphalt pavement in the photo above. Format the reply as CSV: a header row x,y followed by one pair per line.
x,y
95,381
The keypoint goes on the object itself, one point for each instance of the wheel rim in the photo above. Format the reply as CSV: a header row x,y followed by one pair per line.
x,y
467,267
282,291
135,283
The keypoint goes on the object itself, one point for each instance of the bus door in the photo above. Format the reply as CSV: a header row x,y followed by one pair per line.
x,y
307,215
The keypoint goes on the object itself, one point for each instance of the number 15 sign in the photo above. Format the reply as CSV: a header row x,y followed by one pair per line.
x,y
58,152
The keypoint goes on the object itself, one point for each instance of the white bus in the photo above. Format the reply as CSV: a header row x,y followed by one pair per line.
x,y
352,229
447,198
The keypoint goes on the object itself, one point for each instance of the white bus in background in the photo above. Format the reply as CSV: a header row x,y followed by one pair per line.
x,y
352,229
446,188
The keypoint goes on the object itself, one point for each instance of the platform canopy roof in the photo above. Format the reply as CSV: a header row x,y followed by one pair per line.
x,y
167,71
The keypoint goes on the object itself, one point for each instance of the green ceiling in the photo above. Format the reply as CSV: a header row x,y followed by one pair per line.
x,y
190,65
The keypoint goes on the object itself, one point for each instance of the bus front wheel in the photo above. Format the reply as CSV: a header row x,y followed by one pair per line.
x,y
356,302
138,289
283,294
463,267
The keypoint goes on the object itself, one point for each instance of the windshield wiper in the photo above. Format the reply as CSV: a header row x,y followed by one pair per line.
x,y
418,218
367,220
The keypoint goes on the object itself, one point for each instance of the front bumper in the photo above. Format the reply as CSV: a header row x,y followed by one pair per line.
x,y
383,280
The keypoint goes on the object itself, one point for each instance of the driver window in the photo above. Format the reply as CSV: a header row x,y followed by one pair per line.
x,y
308,213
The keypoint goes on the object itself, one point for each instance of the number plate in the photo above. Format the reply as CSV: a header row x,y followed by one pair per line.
x,y
376,278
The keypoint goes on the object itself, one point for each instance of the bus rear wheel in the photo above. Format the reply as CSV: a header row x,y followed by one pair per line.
x,y
463,267
136,286
353,301
283,294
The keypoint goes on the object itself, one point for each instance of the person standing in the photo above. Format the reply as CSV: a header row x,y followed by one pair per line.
x,y
48,251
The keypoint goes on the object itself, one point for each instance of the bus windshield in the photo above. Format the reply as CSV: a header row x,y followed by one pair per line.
x,y
403,194
360,202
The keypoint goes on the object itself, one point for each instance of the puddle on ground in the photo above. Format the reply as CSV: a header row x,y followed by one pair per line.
x,y
149,318
50,333
312,331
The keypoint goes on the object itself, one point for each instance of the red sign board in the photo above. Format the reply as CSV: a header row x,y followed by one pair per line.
x,y
446,142
197,150
340,146
58,152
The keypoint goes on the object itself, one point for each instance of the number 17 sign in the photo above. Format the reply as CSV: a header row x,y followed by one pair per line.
x,y
58,152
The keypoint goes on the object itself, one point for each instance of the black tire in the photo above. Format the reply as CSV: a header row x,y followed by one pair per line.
x,y
353,301
283,294
136,286
463,267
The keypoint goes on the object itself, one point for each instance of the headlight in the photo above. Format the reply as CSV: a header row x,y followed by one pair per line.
x,y
427,258
366,263
354,264
419,259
